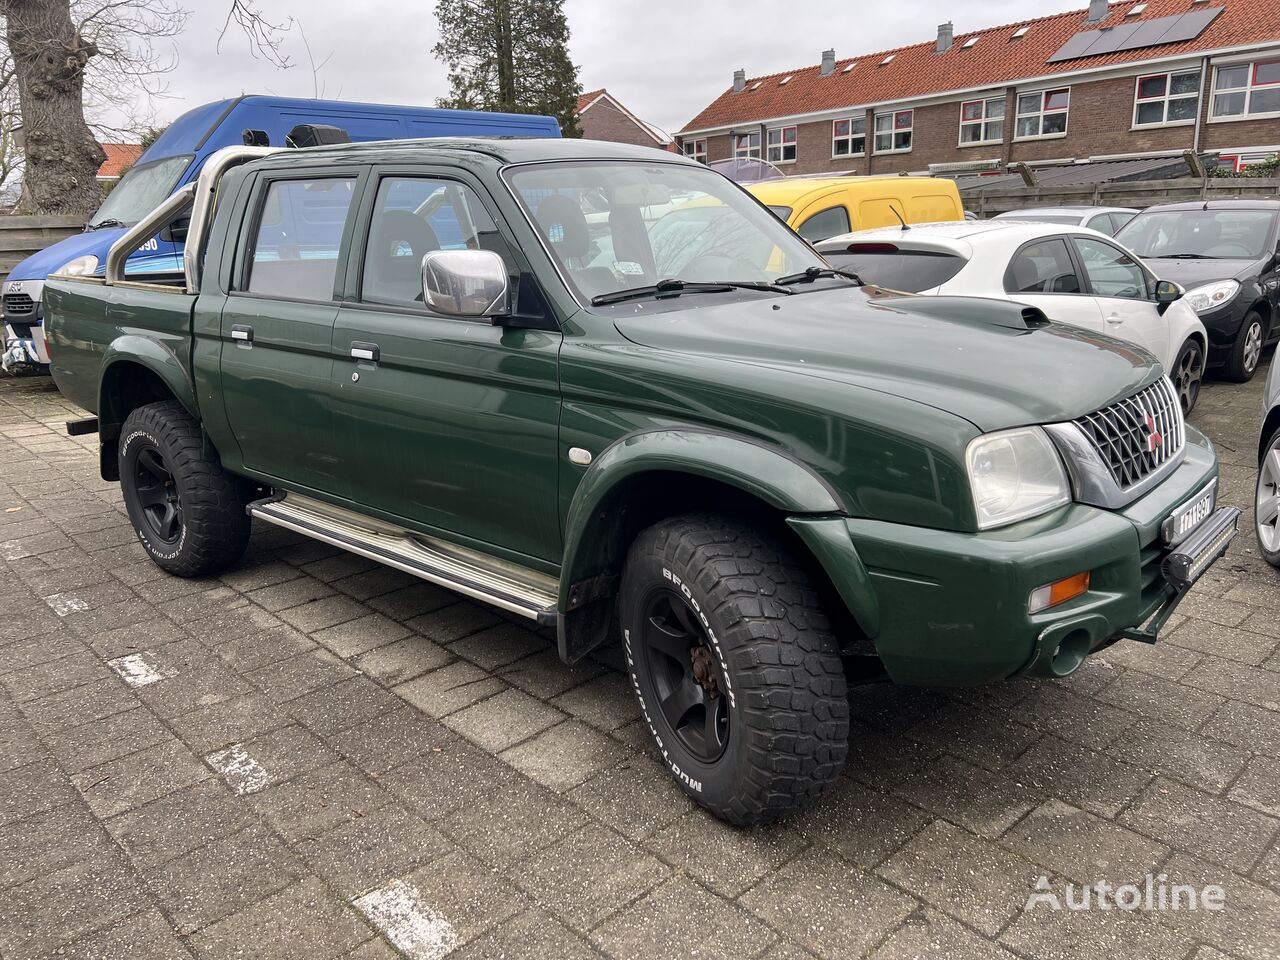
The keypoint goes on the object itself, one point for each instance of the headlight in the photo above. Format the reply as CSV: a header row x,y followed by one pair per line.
x,y
1211,296
1014,475
84,266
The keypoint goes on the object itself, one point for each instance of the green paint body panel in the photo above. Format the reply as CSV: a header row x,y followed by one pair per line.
x,y
846,414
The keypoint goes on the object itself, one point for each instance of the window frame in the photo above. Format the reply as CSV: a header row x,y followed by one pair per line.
x,y
698,155
1148,278
246,242
894,131
983,121
1166,98
1041,113
1251,84
1076,267
782,144
851,136
739,154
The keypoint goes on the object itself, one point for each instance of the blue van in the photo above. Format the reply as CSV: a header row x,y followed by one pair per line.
x,y
176,158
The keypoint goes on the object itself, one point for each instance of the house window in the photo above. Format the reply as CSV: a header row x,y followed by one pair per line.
x,y
746,146
893,131
781,145
696,149
982,121
1246,90
849,137
1166,98
1042,114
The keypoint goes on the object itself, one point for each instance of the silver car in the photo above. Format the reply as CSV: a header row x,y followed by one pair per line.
x,y
1103,219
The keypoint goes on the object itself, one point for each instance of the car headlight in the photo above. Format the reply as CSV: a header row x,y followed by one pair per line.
x,y
84,266
1211,296
1014,475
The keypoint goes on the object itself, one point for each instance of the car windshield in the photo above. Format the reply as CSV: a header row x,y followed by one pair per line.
x,y
1221,234
140,191
622,225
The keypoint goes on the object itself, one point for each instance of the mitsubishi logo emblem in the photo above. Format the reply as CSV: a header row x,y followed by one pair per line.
x,y
1155,440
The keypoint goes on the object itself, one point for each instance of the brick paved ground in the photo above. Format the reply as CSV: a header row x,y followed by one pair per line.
x,y
323,757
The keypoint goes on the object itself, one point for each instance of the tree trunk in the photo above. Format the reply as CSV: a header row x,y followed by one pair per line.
x,y
62,155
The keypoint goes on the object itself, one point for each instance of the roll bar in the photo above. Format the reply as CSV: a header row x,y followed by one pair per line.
x,y
199,197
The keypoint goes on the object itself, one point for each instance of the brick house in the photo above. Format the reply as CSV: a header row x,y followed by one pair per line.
x,y
1123,79
602,117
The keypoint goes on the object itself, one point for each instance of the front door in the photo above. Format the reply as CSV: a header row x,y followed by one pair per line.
x,y
448,424
1043,274
1123,290
277,329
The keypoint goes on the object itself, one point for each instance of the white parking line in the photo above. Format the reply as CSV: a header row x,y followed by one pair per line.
x,y
136,671
411,926
64,603
243,773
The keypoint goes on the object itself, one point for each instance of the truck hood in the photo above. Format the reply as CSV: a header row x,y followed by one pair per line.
x,y
993,374
1194,273
40,265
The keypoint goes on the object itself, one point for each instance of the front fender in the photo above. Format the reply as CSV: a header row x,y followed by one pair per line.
x,y
767,473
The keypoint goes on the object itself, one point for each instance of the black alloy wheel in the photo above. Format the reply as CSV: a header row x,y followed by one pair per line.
x,y
157,495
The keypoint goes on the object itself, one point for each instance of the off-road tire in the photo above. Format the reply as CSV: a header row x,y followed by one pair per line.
x,y
1237,369
214,528
786,696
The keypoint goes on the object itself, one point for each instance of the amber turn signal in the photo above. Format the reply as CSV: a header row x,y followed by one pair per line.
x,y
1060,591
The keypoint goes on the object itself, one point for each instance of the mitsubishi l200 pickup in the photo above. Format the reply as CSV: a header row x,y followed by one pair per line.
x,y
595,384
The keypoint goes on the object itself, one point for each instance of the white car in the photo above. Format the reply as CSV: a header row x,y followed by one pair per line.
x,y
1106,220
1073,274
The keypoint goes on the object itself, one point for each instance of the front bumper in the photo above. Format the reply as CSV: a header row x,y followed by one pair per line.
x,y
951,608
1223,326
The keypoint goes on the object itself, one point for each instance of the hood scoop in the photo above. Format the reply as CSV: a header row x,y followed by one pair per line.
x,y
975,312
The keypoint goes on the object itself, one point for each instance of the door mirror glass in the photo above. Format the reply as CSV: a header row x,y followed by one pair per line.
x,y
1169,292
465,283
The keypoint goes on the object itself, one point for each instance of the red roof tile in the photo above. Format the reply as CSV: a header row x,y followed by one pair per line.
x,y
120,157
997,58
585,100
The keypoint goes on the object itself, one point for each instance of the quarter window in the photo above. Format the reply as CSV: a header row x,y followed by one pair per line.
x,y
696,149
1111,271
849,137
746,146
1042,267
1166,98
1043,114
1246,90
982,121
781,145
412,217
893,131
299,234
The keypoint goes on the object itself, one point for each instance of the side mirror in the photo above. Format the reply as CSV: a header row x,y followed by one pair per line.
x,y
465,283
176,232
1168,292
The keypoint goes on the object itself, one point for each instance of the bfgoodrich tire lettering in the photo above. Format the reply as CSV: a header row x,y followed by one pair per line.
x,y
764,727
187,511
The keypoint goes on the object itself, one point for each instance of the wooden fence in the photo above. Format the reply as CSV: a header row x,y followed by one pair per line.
x,y
1138,193
22,236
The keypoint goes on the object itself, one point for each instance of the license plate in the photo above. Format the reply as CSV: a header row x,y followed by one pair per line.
x,y
1190,515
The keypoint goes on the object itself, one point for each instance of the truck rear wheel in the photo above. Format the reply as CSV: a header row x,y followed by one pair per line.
x,y
188,512
735,666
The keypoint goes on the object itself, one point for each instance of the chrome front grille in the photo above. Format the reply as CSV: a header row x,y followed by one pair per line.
x,y
1138,435
18,305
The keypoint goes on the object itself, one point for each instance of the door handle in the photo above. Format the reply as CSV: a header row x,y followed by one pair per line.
x,y
1114,318
364,351
242,332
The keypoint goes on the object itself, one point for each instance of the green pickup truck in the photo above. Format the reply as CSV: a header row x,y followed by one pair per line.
x,y
603,388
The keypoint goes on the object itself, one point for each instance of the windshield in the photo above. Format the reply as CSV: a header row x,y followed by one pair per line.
x,y
140,191
618,225
1200,234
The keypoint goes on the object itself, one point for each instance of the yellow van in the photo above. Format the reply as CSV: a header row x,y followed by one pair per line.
x,y
822,207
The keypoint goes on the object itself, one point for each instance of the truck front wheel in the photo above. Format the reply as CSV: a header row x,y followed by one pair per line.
x,y
188,512
737,672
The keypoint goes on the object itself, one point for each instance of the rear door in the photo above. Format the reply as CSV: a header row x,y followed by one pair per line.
x,y
1123,290
277,325
1044,274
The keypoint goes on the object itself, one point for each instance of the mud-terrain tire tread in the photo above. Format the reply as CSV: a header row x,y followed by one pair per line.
x,y
784,659
213,501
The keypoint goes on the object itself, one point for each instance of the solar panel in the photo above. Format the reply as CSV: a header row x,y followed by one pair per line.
x,y
1135,36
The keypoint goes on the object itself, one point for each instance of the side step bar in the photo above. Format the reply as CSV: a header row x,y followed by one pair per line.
x,y
515,589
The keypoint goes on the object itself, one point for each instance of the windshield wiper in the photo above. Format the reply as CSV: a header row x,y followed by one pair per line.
x,y
109,222
1183,256
674,287
809,274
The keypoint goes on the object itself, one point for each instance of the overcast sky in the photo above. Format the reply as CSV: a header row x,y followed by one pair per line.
x,y
664,59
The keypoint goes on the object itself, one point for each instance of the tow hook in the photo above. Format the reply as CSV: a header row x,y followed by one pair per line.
x,y
704,671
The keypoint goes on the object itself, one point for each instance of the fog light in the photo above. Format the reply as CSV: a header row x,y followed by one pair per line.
x,y
1060,591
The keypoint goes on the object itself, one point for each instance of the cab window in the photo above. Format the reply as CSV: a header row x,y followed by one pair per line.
x,y
413,216
298,237
828,223
1042,267
1111,271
